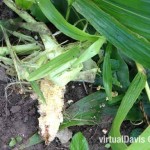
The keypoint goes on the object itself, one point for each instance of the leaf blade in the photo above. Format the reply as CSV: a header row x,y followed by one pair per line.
x,y
107,73
133,45
54,64
56,18
79,142
129,13
129,99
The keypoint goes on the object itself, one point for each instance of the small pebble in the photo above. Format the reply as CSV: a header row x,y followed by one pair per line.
x,y
15,109
105,131
26,119
98,88
34,96
8,112
69,102
72,86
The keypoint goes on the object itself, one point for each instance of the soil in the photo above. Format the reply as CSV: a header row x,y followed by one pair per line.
x,y
5,12
19,116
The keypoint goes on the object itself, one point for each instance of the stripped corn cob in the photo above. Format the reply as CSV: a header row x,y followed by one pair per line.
x,y
51,112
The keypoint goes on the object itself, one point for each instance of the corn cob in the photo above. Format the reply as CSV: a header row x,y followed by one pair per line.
x,y
51,112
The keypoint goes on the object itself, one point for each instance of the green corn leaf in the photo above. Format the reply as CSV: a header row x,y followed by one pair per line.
x,y
90,51
144,143
122,72
129,99
88,111
79,142
131,114
107,73
133,14
55,65
130,43
58,20
64,77
85,111
68,59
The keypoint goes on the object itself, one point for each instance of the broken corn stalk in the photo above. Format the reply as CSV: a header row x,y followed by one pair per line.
x,y
51,112
60,64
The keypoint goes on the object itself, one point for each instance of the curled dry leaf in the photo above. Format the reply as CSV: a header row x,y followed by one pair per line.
x,y
64,135
51,112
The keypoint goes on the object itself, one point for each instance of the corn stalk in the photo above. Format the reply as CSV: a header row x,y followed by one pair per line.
x,y
54,68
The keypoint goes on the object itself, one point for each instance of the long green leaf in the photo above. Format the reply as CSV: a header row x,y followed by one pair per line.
x,y
133,14
107,73
129,99
56,64
123,71
57,19
132,44
69,59
90,51
88,111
